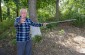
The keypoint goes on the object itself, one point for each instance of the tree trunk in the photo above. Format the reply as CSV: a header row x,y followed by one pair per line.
x,y
17,11
0,12
8,12
32,10
17,7
57,16
33,15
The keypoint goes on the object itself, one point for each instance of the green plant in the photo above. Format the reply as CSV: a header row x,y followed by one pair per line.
x,y
50,26
80,21
61,32
36,38
6,24
13,42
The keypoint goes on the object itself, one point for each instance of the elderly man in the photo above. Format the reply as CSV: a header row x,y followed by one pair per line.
x,y
22,25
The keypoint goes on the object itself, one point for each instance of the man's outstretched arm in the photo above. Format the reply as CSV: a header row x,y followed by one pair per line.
x,y
38,24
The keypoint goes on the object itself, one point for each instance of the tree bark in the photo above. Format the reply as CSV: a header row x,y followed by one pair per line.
x,y
33,15
17,11
57,16
17,7
8,12
32,10
0,12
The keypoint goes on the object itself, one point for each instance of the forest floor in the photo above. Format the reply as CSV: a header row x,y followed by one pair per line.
x,y
61,40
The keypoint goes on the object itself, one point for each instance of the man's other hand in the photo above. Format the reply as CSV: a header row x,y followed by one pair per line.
x,y
44,24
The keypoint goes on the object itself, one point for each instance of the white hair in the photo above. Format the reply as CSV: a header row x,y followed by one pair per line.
x,y
23,9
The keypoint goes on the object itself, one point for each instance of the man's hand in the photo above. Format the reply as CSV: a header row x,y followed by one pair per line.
x,y
22,20
44,24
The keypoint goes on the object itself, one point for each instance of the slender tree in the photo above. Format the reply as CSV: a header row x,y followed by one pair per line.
x,y
0,12
8,8
17,7
57,16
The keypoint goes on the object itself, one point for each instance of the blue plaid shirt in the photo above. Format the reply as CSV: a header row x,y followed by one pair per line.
x,y
23,29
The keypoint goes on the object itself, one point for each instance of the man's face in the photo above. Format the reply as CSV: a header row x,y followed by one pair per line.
x,y
23,13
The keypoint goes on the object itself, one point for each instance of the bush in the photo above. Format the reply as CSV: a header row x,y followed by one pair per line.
x,y
6,24
10,34
37,38
80,19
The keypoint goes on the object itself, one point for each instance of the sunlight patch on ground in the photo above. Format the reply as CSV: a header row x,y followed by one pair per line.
x,y
74,42
81,41
82,50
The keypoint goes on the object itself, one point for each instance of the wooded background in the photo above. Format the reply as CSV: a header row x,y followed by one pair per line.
x,y
41,11
57,40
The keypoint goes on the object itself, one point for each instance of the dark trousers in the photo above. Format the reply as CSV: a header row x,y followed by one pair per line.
x,y
24,48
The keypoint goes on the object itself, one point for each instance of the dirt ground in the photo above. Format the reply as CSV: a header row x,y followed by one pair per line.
x,y
62,40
